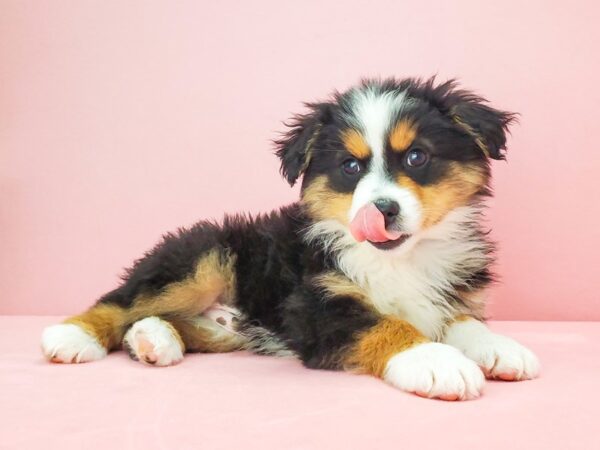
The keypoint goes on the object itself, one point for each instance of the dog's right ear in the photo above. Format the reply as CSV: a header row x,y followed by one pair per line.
x,y
295,148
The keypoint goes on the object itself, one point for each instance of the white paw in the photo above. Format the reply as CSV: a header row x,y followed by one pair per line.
x,y
69,343
499,356
435,370
152,341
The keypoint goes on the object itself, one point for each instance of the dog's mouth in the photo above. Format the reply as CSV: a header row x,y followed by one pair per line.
x,y
369,225
391,244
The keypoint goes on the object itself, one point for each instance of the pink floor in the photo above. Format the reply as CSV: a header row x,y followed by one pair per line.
x,y
243,401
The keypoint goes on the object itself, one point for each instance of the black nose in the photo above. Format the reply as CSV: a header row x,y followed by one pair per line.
x,y
389,209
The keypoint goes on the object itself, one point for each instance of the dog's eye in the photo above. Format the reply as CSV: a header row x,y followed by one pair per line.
x,y
351,166
416,157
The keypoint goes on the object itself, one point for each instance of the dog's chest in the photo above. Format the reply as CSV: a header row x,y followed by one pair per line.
x,y
411,294
415,288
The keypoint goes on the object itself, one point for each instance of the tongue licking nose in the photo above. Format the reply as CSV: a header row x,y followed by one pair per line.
x,y
369,224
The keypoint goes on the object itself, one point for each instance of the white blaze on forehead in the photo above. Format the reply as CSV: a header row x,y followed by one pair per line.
x,y
374,112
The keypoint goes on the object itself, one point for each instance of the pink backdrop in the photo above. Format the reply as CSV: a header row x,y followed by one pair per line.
x,y
120,120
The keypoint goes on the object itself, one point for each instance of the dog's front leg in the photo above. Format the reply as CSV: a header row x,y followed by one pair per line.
x,y
332,326
500,357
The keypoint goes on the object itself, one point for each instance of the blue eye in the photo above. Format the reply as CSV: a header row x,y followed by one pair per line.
x,y
351,166
416,158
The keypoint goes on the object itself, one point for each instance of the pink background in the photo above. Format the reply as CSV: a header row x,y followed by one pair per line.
x,y
122,120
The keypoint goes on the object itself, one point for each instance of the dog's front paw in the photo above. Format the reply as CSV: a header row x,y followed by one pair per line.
x,y
503,358
69,343
153,341
500,357
436,371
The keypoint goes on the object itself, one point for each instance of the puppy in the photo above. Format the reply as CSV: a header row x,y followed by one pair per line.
x,y
380,268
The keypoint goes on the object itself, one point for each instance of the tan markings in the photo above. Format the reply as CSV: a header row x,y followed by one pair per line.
x,y
105,322
355,144
376,346
324,203
462,318
456,189
403,135
471,132
473,307
336,285
213,280
308,151
175,333
200,334
474,303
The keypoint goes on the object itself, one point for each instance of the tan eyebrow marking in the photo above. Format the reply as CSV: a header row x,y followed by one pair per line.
x,y
403,135
355,144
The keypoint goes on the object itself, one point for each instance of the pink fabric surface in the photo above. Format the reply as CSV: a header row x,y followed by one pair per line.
x,y
122,120
238,400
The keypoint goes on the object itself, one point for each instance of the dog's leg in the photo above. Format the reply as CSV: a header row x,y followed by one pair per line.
x,y
89,336
154,341
500,357
86,337
202,334
332,326
161,342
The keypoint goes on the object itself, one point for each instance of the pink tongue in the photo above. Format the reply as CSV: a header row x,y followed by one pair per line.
x,y
369,224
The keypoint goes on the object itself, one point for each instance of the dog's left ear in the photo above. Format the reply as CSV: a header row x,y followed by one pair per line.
x,y
295,148
486,125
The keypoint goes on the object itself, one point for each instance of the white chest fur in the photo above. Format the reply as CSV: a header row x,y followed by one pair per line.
x,y
415,281
411,288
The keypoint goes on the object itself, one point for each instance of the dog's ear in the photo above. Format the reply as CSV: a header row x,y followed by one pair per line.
x,y
295,148
486,125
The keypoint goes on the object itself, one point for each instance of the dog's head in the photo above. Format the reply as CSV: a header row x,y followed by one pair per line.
x,y
389,159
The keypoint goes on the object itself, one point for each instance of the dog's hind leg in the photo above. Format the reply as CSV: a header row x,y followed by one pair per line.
x,y
162,342
89,336
85,337
154,341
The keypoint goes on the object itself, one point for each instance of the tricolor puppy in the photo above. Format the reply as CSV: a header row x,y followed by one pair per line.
x,y
381,267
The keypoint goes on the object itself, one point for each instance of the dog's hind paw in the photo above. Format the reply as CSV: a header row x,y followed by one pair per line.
x,y
69,343
153,341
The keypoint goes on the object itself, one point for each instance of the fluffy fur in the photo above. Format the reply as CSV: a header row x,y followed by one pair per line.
x,y
300,282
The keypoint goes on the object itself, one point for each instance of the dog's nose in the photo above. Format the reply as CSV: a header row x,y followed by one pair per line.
x,y
389,208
